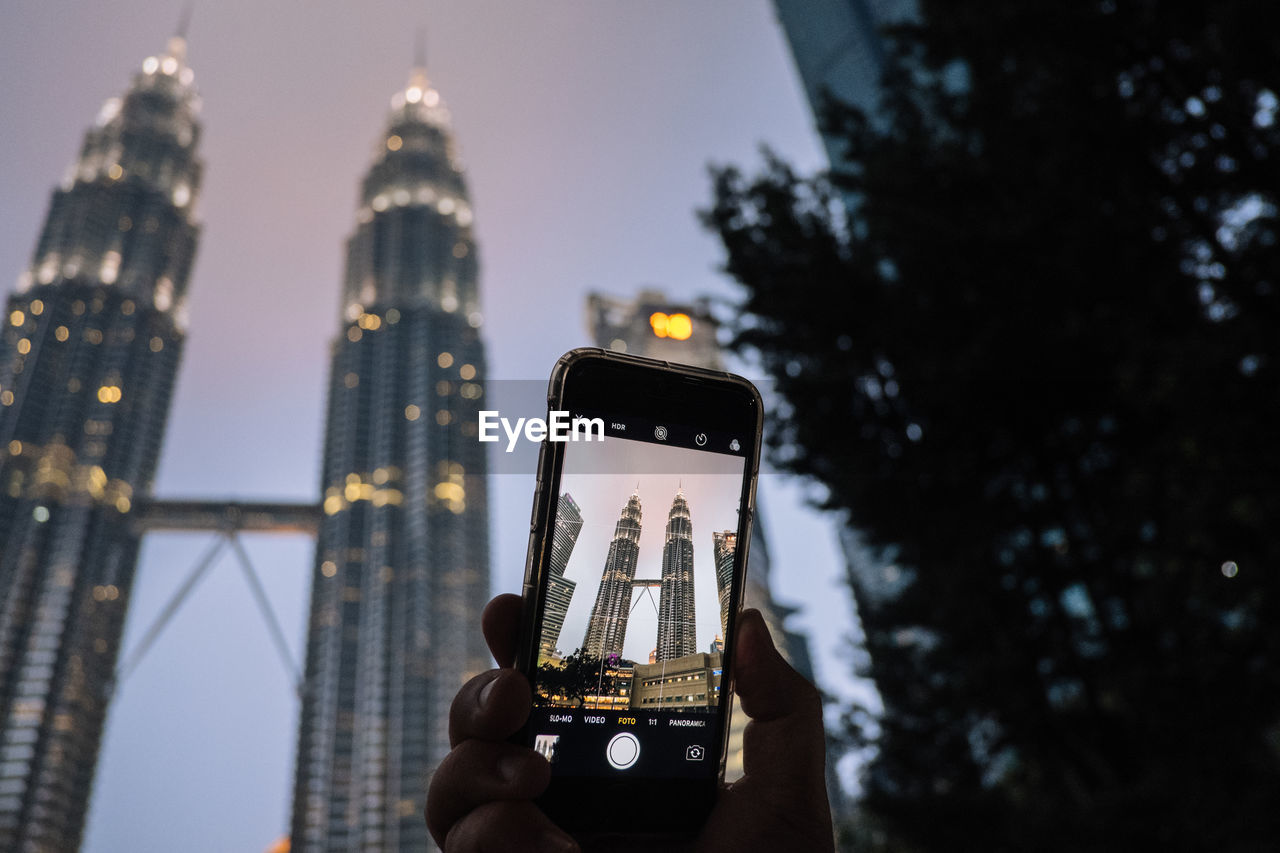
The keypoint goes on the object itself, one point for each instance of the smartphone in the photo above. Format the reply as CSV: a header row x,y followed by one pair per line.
x,y
637,555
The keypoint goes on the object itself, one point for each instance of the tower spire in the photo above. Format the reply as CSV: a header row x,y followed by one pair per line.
x,y
184,22
177,47
420,48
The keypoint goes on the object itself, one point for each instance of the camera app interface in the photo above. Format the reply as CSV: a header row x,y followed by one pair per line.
x,y
633,629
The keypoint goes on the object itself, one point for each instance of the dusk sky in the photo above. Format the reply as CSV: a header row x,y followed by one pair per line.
x,y
586,127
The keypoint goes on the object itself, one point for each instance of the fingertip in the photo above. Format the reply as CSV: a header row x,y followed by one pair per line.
x,y
501,624
754,644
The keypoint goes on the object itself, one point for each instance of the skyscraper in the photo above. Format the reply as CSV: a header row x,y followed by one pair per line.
x,y
402,558
677,625
607,628
88,359
724,542
840,50
559,588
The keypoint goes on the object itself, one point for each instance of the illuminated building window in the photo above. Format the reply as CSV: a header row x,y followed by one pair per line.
x,y
62,333
328,568
115,173
677,326
24,346
459,250
109,394
394,142
127,307
444,388
351,380
412,412
73,385
443,417
40,514
77,307
354,334
393,316
37,307
17,318
93,336
467,371
15,447
444,359
125,223
157,344
471,391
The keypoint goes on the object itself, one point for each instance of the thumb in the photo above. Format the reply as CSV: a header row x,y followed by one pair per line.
x,y
785,737
765,683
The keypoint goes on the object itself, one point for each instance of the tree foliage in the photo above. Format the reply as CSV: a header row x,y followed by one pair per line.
x,y
573,679
1036,364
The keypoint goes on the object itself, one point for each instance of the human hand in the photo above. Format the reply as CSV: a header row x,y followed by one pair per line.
x,y
480,799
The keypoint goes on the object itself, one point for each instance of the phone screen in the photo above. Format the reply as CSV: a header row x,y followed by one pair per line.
x,y
638,601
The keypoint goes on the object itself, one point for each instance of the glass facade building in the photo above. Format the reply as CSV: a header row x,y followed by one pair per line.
x,y
725,543
89,353
402,558
607,629
677,625
559,588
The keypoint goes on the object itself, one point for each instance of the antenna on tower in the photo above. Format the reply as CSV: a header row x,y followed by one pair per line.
x,y
420,47
184,22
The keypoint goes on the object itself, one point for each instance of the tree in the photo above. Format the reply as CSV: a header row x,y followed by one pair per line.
x,y
1036,366
573,679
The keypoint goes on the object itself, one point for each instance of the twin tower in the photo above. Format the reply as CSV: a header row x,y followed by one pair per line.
x,y
89,353
607,628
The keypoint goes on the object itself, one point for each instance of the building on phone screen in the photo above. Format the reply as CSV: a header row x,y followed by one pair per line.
x,y
677,626
402,564
88,358
559,588
607,627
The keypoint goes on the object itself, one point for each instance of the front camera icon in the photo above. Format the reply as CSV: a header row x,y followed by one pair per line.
x,y
693,752
660,433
